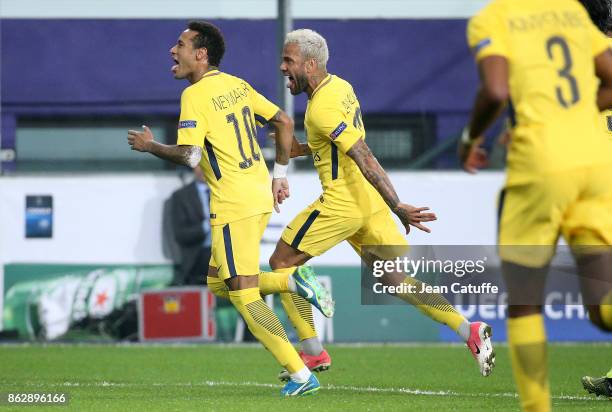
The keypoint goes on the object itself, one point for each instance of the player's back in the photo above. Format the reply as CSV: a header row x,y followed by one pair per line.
x,y
550,47
333,124
232,162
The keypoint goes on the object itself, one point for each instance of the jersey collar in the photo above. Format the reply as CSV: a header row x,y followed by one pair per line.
x,y
211,73
324,83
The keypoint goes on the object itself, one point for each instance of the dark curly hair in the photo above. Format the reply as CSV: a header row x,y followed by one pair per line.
x,y
209,37
600,13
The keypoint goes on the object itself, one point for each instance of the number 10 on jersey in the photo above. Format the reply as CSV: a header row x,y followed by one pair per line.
x,y
249,126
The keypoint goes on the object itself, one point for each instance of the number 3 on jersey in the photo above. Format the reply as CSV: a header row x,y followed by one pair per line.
x,y
251,133
565,72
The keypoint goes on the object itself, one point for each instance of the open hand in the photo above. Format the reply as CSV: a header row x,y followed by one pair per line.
x,y
140,140
414,216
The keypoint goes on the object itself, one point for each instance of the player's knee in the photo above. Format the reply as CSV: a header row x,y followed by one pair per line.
x,y
276,262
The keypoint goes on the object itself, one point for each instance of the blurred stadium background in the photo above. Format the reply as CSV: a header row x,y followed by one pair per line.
x,y
81,215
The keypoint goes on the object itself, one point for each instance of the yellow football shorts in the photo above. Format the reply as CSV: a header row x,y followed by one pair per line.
x,y
235,246
316,230
576,204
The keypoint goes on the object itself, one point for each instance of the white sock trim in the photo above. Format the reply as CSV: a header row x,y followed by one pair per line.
x,y
312,346
291,284
302,375
464,330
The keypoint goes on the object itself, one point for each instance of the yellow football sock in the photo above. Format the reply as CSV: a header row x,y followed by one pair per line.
x,y
217,287
299,312
298,309
433,305
265,326
528,353
276,281
605,309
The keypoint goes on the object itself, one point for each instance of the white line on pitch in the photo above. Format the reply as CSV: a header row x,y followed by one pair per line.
x,y
328,387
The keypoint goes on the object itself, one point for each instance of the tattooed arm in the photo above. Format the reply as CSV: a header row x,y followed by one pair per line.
x,y
376,175
283,126
183,155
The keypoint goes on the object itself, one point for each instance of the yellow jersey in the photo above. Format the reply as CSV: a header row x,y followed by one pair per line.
x,y
550,47
333,124
219,114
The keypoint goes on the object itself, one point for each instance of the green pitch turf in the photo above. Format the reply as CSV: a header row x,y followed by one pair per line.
x,y
243,378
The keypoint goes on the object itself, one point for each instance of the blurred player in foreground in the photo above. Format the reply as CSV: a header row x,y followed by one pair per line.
x,y
545,56
357,198
599,11
218,114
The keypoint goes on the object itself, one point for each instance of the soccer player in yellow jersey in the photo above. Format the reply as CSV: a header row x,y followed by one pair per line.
x,y
357,197
600,13
546,57
217,130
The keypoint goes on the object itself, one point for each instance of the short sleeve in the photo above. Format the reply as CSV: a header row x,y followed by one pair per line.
x,y
599,42
344,129
264,109
192,125
486,36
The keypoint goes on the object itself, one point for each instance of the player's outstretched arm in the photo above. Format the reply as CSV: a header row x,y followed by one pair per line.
x,y
183,155
376,175
283,130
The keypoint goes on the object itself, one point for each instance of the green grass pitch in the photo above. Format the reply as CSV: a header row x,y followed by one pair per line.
x,y
243,378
